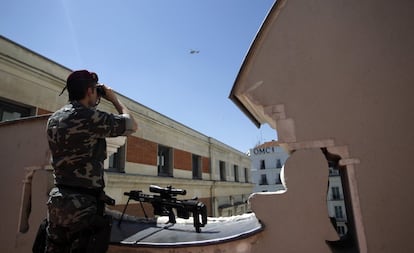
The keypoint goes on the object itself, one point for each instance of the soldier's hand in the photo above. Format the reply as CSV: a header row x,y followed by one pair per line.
x,y
109,94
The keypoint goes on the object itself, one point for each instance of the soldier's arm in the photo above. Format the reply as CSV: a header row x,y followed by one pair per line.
x,y
131,124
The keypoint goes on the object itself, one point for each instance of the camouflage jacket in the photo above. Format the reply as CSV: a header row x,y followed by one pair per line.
x,y
76,136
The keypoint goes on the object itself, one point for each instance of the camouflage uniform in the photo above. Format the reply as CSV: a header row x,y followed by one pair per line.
x,y
76,136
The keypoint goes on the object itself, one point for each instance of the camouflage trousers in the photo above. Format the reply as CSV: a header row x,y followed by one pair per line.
x,y
70,219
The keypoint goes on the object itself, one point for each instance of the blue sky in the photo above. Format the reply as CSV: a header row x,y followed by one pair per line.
x,y
141,48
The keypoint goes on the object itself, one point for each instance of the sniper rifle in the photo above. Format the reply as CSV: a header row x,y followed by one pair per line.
x,y
165,201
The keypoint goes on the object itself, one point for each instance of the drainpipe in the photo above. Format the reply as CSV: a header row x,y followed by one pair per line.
x,y
213,200
212,186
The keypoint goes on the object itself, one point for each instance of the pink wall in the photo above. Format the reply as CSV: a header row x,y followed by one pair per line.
x,y
24,145
339,74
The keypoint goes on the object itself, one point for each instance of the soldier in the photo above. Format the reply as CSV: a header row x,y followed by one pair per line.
x,y
76,135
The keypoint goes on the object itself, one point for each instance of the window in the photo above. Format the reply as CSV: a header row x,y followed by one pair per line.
x,y
165,168
10,111
333,171
263,180
278,180
262,164
340,230
338,212
337,199
222,171
197,174
236,173
246,175
278,164
117,160
335,193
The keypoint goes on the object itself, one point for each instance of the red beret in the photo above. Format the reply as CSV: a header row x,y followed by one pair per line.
x,y
82,76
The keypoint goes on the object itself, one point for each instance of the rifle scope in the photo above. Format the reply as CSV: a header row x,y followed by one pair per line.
x,y
167,190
